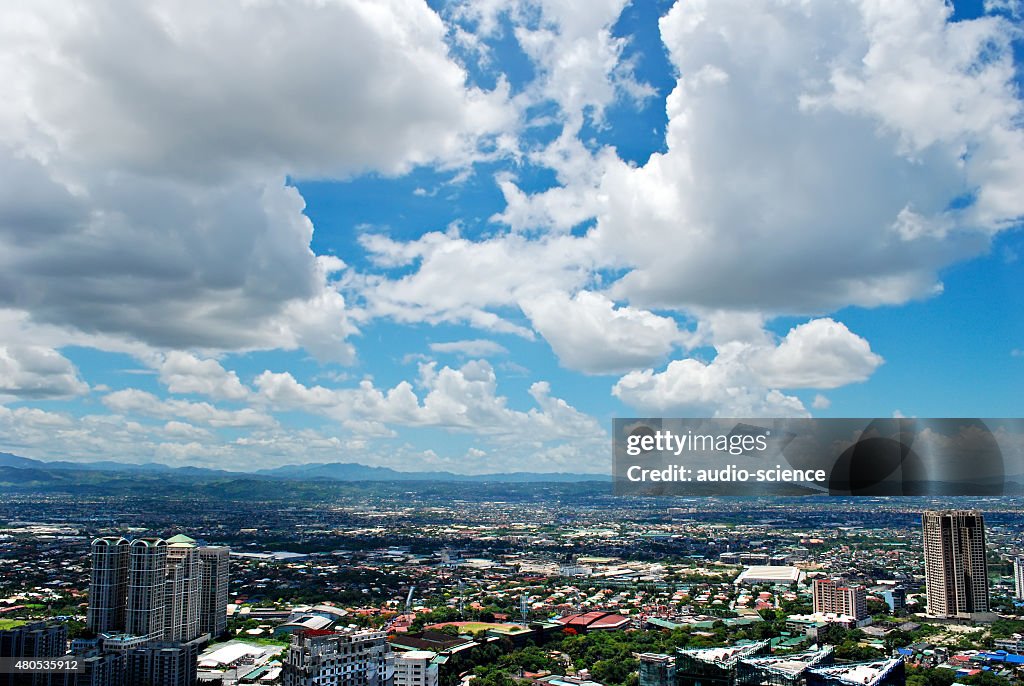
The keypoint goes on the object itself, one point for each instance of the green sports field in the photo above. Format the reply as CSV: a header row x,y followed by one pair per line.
x,y
473,627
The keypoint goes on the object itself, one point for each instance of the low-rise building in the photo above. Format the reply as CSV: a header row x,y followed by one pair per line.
x,y
594,621
657,669
777,575
416,668
344,658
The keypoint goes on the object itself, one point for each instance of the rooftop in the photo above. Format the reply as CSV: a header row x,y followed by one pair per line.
x,y
770,574
861,673
181,540
725,656
417,655
594,620
793,664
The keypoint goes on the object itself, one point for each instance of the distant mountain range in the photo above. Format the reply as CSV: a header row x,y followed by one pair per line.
x,y
336,471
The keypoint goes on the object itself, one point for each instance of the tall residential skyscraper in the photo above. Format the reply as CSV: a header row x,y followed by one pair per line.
x,y
147,579
1018,577
213,589
956,571
108,585
837,597
182,592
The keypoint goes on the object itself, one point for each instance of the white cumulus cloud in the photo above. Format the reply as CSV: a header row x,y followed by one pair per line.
x,y
822,353
819,155
131,401
183,372
721,388
463,399
746,378
34,372
590,334
144,151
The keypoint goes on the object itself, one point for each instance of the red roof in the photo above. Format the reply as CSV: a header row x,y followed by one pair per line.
x,y
594,620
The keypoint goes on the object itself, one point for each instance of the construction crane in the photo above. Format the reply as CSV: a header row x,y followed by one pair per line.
x,y
408,609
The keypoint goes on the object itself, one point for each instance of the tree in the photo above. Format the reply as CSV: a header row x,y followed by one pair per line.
x,y
765,630
1004,628
832,634
897,639
987,679
488,675
930,677
849,650
877,607
613,672
532,659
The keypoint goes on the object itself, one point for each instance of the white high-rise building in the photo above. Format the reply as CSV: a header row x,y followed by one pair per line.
x,y
1018,577
956,571
182,592
416,668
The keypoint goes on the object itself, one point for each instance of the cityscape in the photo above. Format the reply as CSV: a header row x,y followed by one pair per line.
x,y
420,584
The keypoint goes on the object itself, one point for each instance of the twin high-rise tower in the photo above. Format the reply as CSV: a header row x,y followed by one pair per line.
x,y
171,590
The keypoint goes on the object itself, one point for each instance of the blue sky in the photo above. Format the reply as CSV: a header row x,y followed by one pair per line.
x,y
466,235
